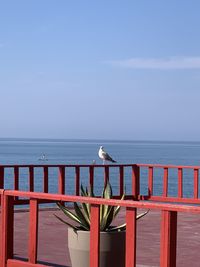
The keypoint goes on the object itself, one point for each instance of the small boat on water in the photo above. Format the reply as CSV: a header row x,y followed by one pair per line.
x,y
43,157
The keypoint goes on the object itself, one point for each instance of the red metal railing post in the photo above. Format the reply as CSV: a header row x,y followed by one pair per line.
x,y
121,180
165,182
33,231
91,171
61,180
77,185
106,174
135,181
180,182
1,227
31,178
196,183
16,178
94,236
168,239
150,182
130,237
7,229
45,179
1,177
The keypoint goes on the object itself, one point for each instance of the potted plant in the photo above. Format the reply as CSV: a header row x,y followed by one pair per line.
x,y
112,238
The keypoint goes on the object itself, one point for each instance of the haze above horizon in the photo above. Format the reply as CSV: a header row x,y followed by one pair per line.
x,y
100,70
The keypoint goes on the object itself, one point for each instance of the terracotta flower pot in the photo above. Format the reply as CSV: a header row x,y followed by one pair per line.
x,y
112,248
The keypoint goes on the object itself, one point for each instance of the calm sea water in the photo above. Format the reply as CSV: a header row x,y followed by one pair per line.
x,y
28,151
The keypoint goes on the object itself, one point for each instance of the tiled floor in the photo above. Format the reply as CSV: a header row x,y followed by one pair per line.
x,y
53,239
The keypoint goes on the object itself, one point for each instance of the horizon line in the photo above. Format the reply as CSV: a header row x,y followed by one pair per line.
x,y
92,139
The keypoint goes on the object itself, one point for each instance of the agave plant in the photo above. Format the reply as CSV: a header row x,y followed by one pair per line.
x,y
82,212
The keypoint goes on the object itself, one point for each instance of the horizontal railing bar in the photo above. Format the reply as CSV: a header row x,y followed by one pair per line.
x,y
168,166
99,201
26,201
135,182
175,199
19,263
46,201
100,166
70,165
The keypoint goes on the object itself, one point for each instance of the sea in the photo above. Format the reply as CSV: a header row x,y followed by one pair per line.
x,y
69,151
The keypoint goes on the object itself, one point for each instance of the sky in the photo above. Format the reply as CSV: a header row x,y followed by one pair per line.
x,y
127,70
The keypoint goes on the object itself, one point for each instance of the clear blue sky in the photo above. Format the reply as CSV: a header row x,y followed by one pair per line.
x,y
100,69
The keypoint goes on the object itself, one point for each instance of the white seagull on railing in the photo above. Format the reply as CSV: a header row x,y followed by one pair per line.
x,y
104,155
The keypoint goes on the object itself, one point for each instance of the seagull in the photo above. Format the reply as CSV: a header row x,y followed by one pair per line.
x,y
104,155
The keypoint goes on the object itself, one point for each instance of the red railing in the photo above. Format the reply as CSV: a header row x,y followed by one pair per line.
x,y
193,178
61,175
135,174
167,237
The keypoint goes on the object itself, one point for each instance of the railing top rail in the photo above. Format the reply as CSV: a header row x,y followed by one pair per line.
x,y
168,166
66,165
99,165
99,201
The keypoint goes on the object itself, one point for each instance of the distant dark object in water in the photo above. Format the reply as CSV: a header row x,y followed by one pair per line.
x,y
43,157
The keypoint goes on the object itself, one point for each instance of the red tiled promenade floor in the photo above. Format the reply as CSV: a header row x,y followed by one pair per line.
x,y
53,239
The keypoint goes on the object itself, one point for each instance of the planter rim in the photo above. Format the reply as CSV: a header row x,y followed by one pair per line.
x,y
102,232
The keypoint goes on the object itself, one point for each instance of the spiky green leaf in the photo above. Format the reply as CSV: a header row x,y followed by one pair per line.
x,y
118,228
82,191
69,213
109,217
107,194
91,192
81,216
68,224
86,191
85,208
101,213
117,209
141,215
